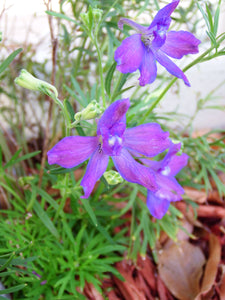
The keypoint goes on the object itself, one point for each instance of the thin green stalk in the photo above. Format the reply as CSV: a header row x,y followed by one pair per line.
x,y
100,71
78,60
194,62
64,197
63,200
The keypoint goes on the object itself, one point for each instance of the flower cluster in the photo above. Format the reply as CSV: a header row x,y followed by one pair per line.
x,y
132,149
115,141
154,43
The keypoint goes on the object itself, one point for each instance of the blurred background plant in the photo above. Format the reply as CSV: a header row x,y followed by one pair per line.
x,y
52,241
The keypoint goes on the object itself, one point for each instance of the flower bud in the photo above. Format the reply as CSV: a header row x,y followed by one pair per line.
x,y
112,177
91,18
97,14
25,181
28,81
85,19
92,111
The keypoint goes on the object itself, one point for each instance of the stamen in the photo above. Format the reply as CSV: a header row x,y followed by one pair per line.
x,y
147,39
100,148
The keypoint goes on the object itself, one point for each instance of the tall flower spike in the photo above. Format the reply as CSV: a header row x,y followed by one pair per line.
x,y
154,43
113,140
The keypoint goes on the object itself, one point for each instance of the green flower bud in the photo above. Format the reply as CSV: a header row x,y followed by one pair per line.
x,y
85,19
25,181
92,111
91,18
97,14
112,177
28,81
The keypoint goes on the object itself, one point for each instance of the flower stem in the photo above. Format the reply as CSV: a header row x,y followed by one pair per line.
x,y
94,40
194,62
65,112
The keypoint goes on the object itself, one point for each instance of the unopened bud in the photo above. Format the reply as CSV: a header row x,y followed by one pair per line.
x,y
92,111
85,19
28,81
91,18
26,180
97,14
112,177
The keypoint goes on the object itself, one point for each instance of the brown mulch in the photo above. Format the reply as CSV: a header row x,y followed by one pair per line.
x,y
190,269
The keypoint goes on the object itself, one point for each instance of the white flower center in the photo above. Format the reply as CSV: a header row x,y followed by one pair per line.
x,y
113,139
165,171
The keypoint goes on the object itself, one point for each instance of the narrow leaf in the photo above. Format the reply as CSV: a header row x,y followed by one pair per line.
x,y
89,210
69,109
216,19
61,16
79,90
13,289
109,77
45,219
14,160
9,59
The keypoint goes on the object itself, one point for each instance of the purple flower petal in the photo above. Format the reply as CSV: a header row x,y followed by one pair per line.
x,y
162,18
133,171
129,54
163,167
95,168
148,139
172,163
170,66
156,205
153,164
134,25
180,43
72,151
35,273
177,163
159,39
169,188
113,118
147,68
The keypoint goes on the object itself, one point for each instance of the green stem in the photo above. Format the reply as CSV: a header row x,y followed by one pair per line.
x,y
94,40
65,112
194,62
78,60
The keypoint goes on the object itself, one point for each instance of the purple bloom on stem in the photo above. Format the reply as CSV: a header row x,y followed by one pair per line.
x,y
113,140
154,43
169,190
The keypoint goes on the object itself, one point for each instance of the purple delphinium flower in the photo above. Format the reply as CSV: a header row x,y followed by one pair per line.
x,y
168,188
154,43
113,140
